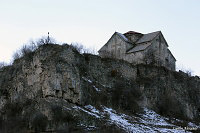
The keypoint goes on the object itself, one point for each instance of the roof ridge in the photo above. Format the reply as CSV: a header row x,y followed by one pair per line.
x,y
132,32
148,37
153,32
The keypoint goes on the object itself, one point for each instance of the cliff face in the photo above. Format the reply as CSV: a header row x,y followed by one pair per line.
x,y
171,93
44,83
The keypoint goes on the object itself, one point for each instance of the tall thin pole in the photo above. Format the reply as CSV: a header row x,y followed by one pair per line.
x,y
48,39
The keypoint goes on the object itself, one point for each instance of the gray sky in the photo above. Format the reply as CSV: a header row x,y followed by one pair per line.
x,y
92,22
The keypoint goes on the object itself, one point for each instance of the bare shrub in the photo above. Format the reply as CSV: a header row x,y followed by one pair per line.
x,y
90,51
2,64
17,55
31,46
188,71
82,49
24,50
78,47
45,40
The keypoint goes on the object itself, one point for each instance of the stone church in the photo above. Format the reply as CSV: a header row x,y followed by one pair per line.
x,y
138,48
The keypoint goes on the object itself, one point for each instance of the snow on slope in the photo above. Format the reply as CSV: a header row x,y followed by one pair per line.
x,y
150,121
147,123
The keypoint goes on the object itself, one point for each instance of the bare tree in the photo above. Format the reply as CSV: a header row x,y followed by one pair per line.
x,y
2,64
24,50
182,68
90,51
17,55
82,49
78,47
32,46
45,40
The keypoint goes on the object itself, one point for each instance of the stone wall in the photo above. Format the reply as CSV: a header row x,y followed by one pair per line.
x,y
135,58
162,54
115,48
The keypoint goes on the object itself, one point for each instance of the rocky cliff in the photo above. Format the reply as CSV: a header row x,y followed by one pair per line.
x,y
55,88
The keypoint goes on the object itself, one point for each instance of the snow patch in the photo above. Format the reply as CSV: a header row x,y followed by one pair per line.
x,y
190,124
88,80
152,117
92,108
88,112
124,124
150,121
97,89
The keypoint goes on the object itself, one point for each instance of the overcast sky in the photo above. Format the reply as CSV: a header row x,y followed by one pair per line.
x,y
92,22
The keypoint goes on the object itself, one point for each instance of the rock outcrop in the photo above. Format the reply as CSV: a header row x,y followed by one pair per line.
x,y
56,75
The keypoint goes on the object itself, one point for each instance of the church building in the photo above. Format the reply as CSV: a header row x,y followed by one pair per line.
x,y
138,48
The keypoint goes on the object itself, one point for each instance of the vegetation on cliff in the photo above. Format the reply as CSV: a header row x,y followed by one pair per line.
x,y
56,88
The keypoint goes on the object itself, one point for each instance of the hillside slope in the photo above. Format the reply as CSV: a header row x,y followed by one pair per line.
x,y
57,89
